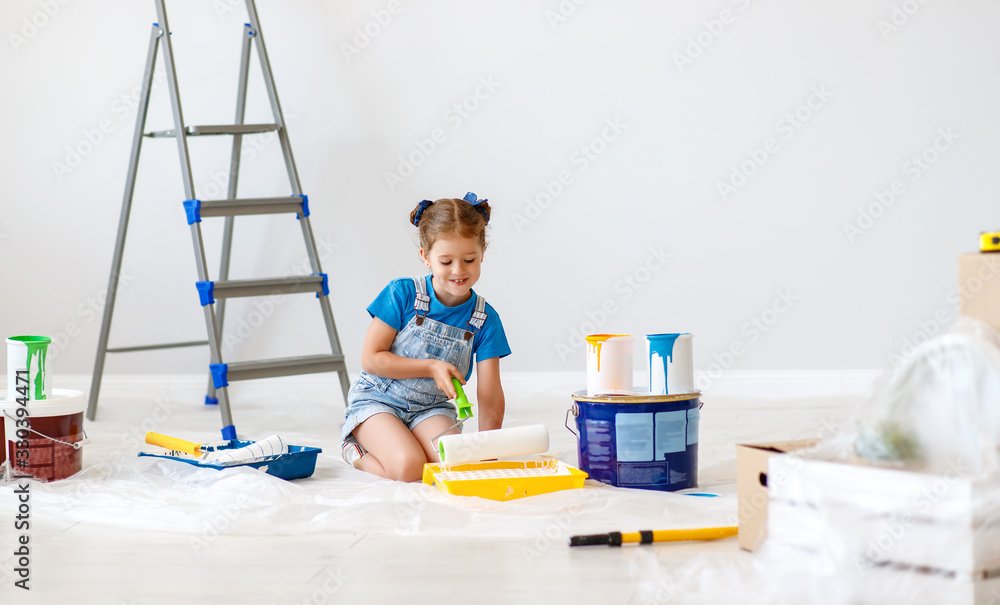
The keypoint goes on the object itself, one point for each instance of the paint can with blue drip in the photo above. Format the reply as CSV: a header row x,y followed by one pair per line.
x,y
670,363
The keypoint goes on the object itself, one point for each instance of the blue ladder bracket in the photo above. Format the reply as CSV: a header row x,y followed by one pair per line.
x,y
229,432
326,284
249,27
220,374
305,205
193,210
211,400
206,292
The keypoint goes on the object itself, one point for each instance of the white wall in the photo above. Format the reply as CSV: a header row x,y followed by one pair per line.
x,y
557,83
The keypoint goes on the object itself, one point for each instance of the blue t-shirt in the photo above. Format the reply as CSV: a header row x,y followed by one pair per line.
x,y
394,306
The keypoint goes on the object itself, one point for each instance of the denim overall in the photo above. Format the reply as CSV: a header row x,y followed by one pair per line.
x,y
413,400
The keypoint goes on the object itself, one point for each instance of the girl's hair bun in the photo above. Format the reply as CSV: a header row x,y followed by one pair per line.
x,y
418,212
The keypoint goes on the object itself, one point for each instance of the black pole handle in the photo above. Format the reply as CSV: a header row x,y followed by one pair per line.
x,y
612,539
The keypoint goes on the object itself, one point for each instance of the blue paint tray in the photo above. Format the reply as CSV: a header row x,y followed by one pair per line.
x,y
299,462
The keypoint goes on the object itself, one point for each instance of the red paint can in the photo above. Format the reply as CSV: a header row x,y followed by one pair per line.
x,y
54,435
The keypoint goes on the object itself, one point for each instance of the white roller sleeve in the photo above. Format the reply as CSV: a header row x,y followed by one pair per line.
x,y
271,446
500,443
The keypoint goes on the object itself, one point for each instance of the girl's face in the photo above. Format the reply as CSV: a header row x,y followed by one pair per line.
x,y
455,264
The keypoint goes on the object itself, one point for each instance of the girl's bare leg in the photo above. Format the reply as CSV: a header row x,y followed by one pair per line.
x,y
393,451
430,428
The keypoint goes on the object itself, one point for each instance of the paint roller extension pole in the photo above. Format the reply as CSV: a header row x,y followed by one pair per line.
x,y
616,538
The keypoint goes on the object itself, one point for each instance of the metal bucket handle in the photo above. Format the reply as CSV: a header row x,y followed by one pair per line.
x,y
575,410
75,446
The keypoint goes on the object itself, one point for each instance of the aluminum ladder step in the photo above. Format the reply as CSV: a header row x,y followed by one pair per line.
x,y
298,204
194,131
169,345
236,288
223,373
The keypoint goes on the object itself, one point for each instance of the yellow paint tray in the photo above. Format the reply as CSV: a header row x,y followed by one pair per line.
x,y
504,479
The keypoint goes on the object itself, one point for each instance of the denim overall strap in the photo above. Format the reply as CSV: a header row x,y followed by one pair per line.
x,y
478,317
422,302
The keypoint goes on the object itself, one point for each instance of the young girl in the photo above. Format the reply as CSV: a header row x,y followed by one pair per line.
x,y
424,331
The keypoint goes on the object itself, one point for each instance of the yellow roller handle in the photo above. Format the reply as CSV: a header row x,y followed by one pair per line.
x,y
173,443
648,537
680,535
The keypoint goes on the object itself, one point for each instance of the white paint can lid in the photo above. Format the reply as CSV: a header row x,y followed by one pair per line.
x,y
62,403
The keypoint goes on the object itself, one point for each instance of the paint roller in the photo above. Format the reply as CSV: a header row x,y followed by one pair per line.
x,y
487,445
498,443
272,446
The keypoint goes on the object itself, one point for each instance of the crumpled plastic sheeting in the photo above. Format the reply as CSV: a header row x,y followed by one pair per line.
x,y
938,408
156,494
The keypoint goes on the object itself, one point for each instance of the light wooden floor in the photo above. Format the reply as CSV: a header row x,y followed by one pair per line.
x,y
452,551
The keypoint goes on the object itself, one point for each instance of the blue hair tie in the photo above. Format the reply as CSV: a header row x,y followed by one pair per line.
x,y
477,204
420,211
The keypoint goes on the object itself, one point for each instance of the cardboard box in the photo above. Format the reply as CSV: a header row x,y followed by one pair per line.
x,y
979,286
751,486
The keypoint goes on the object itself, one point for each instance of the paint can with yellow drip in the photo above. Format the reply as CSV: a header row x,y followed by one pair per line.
x,y
609,364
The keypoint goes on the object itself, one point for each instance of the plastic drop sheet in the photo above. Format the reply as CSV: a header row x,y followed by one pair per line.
x,y
163,495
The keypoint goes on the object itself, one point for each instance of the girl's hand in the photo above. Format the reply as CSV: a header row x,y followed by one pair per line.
x,y
442,373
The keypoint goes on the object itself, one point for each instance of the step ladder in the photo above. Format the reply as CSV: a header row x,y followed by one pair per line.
x,y
213,294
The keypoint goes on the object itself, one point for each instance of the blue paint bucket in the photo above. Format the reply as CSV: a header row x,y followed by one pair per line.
x,y
638,441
